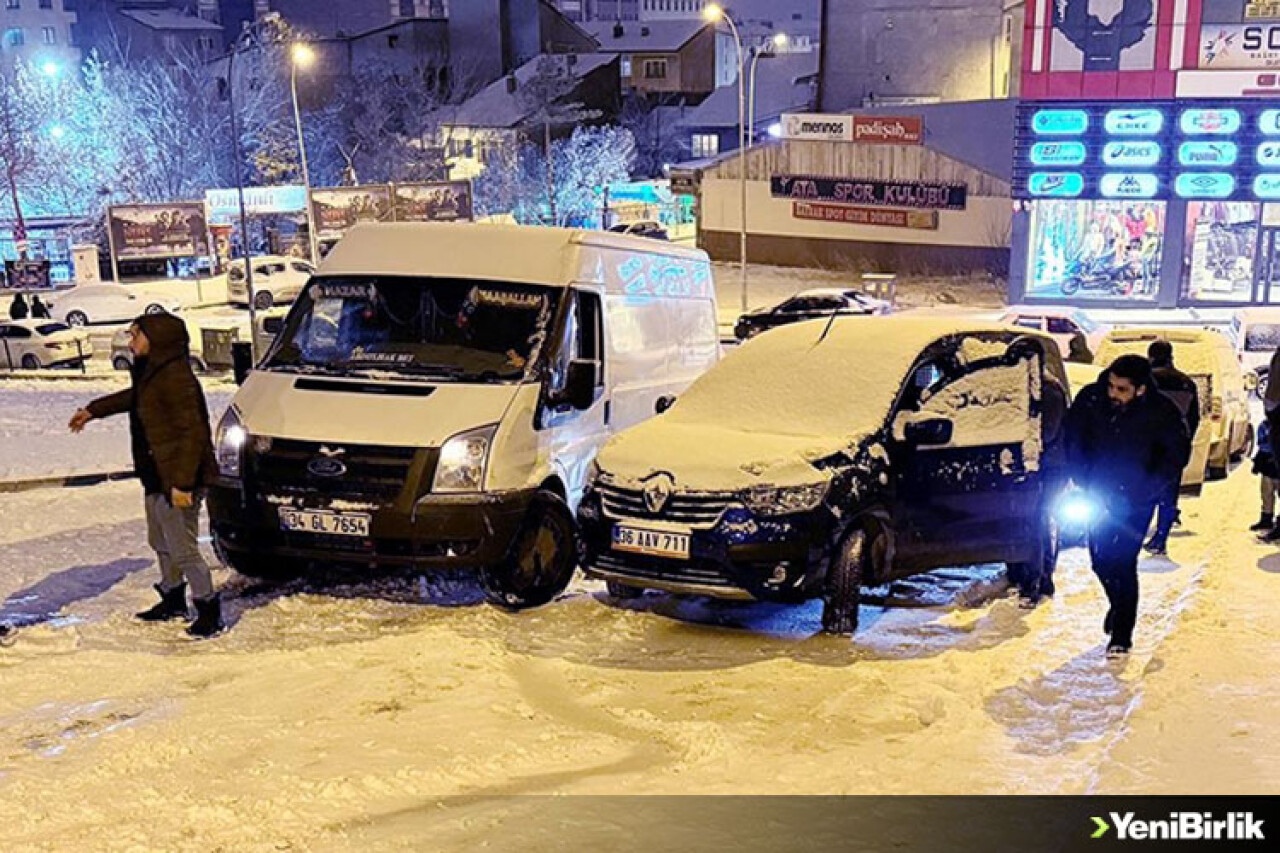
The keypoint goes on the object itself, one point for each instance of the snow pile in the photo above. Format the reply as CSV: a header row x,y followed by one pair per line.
x,y
780,401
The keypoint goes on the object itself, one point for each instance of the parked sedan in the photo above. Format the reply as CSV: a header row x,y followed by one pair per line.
x,y
1061,324
107,302
809,305
33,344
811,463
276,280
643,228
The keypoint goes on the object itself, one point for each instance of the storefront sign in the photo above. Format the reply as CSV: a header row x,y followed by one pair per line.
x,y
890,130
1134,122
155,231
1240,46
336,209
818,127
443,201
1135,153
1057,153
28,274
1208,154
1198,121
1228,84
926,220
1268,155
1267,187
224,205
1269,122
1055,184
870,192
1262,9
1204,185
1129,186
1060,122
684,181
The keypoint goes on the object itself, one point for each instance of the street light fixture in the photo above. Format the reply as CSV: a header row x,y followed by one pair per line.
x,y
715,13
303,56
50,69
57,131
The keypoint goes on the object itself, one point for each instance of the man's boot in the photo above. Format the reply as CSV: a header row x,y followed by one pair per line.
x,y
1265,523
208,618
173,605
1271,536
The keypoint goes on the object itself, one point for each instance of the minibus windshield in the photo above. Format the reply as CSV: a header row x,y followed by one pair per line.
x,y
438,329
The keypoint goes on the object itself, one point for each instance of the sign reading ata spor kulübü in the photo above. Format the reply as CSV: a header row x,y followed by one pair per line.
x,y
861,191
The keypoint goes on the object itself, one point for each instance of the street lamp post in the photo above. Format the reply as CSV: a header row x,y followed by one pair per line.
x,y
302,56
713,12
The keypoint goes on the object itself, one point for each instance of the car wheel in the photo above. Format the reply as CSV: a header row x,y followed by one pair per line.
x,y
78,319
620,590
263,300
542,560
1246,446
30,362
154,308
121,363
843,590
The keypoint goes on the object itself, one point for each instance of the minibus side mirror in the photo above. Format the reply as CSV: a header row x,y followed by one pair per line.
x,y
580,384
663,403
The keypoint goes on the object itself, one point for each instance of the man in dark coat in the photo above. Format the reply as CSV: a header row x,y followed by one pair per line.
x,y
1125,443
18,308
173,457
39,311
1182,390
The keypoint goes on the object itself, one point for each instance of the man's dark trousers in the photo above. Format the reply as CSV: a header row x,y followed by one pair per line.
x,y
1115,540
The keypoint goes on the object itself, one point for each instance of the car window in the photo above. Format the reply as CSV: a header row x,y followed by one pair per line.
x,y
987,406
300,267
1028,322
1262,337
827,303
236,273
52,328
17,332
792,306
1086,325
1061,326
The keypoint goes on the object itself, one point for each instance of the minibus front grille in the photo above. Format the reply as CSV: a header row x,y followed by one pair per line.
x,y
370,472
696,509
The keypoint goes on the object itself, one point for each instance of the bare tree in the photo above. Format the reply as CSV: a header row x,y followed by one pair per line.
x,y
19,128
545,98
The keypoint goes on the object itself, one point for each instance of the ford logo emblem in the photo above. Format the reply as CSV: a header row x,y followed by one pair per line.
x,y
327,466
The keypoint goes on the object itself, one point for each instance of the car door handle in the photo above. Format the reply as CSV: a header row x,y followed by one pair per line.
x,y
608,411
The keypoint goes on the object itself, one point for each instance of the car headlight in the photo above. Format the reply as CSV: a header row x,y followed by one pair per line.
x,y
463,460
229,443
784,501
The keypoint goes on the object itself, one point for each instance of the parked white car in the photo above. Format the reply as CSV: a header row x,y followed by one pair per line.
x,y
33,344
1255,332
276,280
107,302
122,356
270,323
1061,324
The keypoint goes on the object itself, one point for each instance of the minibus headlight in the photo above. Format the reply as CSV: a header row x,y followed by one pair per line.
x,y
229,443
463,460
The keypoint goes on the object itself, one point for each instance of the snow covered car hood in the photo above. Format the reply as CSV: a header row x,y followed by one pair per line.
x,y
715,458
271,404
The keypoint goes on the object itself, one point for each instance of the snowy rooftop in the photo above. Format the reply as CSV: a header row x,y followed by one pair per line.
x,y
644,36
169,19
783,84
502,103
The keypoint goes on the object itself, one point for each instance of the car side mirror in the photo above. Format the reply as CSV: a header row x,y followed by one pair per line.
x,y
934,432
580,384
1251,381
663,403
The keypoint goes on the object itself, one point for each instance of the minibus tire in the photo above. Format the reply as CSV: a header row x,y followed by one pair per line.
x,y
542,559
842,592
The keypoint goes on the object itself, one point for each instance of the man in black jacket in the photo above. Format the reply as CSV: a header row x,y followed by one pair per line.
x,y
1125,443
173,457
1182,390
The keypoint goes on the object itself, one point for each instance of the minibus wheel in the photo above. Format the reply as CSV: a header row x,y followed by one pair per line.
x,y
542,560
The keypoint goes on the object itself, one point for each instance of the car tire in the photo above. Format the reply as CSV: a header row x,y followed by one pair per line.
x,y
263,567
121,363
542,559
623,591
30,362
263,300
842,593
79,319
1246,447
154,308
1051,546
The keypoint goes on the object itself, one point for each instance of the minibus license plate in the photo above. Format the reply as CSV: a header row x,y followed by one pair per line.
x,y
654,541
331,523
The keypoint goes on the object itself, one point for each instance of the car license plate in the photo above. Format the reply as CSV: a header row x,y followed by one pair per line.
x,y
653,541
319,521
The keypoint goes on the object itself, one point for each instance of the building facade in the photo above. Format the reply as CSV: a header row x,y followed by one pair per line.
x,y
1147,163
37,32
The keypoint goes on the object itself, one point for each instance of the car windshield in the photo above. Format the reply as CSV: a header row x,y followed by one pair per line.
x,y
441,329
1086,325
1262,337
52,328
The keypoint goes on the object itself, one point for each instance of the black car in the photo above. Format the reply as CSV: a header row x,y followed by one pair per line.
x,y
809,305
644,228
814,461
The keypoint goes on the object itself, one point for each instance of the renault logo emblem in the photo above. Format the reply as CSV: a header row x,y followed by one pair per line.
x,y
657,492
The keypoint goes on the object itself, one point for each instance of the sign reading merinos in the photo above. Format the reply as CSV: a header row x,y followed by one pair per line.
x,y
156,231
444,201
870,192
336,209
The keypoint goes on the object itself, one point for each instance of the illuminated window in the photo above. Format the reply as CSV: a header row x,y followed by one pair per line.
x,y
1097,250
655,69
705,145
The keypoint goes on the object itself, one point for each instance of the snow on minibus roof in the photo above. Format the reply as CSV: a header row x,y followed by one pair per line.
x,y
516,253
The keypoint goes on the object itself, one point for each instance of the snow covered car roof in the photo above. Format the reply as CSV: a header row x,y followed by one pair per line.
x,y
514,253
784,397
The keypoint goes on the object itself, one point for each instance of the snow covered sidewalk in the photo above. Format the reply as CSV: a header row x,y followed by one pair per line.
x,y
370,716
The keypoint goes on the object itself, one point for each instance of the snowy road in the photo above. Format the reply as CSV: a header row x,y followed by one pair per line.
x,y
371,716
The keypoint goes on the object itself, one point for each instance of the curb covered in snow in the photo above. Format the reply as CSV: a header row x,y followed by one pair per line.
x,y
64,482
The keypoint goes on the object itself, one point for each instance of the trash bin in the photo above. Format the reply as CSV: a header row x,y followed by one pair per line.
x,y
242,360
217,347
881,285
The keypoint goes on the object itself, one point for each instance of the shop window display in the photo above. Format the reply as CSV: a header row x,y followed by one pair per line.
x,y
1096,249
1222,241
